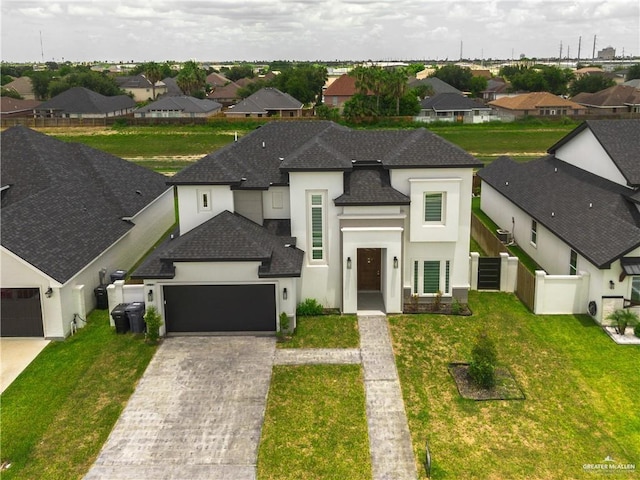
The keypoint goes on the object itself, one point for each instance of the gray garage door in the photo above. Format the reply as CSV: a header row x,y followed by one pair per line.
x,y
21,314
220,308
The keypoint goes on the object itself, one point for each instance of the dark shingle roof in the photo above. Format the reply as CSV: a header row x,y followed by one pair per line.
x,y
370,185
436,84
228,237
589,213
264,157
67,203
451,101
265,100
619,138
616,96
184,104
83,100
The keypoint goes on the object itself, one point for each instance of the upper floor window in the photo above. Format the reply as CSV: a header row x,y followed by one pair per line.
x,y
534,232
204,200
317,226
434,207
573,263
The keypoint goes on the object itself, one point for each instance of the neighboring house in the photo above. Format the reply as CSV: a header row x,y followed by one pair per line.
x,y
68,213
179,107
12,107
437,85
226,95
535,104
173,90
217,80
612,100
633,83
80,102
496,88
311,209
267,102
577,210
453,107
340,91
140,87
23,87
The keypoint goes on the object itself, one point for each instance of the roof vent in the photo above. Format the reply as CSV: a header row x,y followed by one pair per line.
x,y
263,144
506,183
235,137
590,205
244,179
281,158
553,214
555,170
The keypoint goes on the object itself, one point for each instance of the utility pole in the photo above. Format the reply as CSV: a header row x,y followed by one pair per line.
x,y
560,56
41,48
460,49
593,55
579,45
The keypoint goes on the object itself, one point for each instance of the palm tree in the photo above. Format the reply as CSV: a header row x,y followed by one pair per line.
x,y
153,73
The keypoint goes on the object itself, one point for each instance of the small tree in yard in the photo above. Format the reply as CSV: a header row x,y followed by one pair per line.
x,y
482,368
154,321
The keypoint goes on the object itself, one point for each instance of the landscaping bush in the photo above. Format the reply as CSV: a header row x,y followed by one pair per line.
x,y
154,321
636,330
622,318
482,368
309,307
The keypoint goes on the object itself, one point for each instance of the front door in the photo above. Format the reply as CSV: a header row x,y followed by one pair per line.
x,y
369,261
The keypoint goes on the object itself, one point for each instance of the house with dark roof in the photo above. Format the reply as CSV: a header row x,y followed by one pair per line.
x,y
226,95
266,102
179,107
312,209
576,211
80,102
435,84
141,88
69,212
535,104
13,107
453,107
497,88
612,100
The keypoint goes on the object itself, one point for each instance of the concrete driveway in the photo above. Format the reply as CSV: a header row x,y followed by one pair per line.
x,y
15,355
197,413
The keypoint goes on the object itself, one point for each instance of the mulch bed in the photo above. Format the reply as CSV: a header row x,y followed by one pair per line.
x,y
506,387
443,308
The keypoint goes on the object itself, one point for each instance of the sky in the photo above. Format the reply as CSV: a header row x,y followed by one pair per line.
x,y
324,30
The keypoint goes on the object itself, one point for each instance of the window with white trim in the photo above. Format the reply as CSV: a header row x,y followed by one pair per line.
x,y
204,200
434,207
317,229
573,263
534,232
431,277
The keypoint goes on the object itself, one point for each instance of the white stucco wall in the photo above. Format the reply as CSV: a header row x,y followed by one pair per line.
x,y
190,209
585,152
321,281
248,203
276,203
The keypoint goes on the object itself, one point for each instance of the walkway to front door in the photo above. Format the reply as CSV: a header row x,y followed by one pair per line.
x,y
370,303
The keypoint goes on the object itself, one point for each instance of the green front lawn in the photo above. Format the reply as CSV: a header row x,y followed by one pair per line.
x,y
581,394
325,331
315,425
57,414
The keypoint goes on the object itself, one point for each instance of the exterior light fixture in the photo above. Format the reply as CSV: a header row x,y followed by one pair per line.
x,y
612,285
150,295
348,263
49,292
285,294
395,262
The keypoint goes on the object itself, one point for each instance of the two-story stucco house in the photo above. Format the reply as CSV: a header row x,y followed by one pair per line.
x,y
577,210
298,210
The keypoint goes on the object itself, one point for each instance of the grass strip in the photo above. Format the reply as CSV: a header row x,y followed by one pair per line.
x,y
325,331
579,387
315,425
58,413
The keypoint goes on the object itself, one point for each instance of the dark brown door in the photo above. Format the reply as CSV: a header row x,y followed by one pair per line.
x,y
369,261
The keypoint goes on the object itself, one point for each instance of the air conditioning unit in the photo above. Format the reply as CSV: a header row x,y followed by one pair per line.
x,y
505,236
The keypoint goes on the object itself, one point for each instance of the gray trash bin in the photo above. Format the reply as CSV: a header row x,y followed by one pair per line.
x,y
102,300
135,312
118,275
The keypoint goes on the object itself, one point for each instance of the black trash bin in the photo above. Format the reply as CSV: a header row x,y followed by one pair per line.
x,y
135,312
120,318
102,300
118,275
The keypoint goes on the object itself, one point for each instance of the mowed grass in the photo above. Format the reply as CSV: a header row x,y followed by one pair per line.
x,y
581,394
58,413
315,425
324,331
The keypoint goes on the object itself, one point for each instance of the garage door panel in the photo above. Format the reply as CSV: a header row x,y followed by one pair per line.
x,y
220,308
21,313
